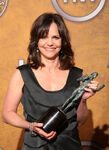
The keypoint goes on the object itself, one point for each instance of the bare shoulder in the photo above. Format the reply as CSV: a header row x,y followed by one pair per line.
x,y
16,79
14,91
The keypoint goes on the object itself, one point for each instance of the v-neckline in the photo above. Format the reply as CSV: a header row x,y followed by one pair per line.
x,y
48,91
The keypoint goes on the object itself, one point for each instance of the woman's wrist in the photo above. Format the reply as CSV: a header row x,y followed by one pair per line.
x,y
31,126
83,100
31,129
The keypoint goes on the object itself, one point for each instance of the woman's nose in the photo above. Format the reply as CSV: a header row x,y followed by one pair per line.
x,y
49,42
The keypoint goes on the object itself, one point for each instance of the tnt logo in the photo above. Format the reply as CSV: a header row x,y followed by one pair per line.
x,y
3,6
74,1
78,10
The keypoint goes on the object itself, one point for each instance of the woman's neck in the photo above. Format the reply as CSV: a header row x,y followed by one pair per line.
x,y
51,65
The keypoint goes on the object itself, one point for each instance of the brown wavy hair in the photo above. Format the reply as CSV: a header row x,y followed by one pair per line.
x,y
40,29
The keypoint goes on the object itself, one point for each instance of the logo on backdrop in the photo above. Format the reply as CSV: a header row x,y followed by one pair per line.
x,y
3,6
75,5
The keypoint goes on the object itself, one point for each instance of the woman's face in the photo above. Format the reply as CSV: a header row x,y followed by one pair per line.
x,y
50,45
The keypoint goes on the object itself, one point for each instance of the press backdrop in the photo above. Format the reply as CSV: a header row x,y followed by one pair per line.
x,y
89,40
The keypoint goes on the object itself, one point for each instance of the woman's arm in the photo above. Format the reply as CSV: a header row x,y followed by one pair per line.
x,y
12,100
82,111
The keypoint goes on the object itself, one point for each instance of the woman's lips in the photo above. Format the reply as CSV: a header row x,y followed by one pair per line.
x,y
50,49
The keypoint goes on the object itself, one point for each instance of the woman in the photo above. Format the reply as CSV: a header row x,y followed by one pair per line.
x,y
48,79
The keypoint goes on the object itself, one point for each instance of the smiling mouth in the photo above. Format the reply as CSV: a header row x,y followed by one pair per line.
x,y
50,49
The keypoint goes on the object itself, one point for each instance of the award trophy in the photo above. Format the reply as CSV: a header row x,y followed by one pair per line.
x,y
56,116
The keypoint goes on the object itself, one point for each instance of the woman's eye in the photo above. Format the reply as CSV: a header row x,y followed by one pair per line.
x,y
44,37
56,37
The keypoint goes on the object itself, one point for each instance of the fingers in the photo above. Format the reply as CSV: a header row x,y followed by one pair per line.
x,y
89,90
93,85
48,136
52,136
41,132
94,82
37,124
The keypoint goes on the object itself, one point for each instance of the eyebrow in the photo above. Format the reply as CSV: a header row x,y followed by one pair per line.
x,y
57,35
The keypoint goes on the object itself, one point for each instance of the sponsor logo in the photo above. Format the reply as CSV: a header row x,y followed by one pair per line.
x,y
3,6
91,144
94,7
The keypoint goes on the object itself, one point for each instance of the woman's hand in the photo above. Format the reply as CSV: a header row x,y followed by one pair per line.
x,y
42,133
88,91
82,111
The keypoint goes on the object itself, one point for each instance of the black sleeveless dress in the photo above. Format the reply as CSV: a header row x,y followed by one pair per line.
x,y
36,101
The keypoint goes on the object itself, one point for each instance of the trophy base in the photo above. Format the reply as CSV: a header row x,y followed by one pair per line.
x,y
53,119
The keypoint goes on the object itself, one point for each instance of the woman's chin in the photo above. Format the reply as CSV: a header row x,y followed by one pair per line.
x,y
51,57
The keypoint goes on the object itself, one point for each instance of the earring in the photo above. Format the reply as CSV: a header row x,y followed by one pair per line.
x,y
37,50
61,52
